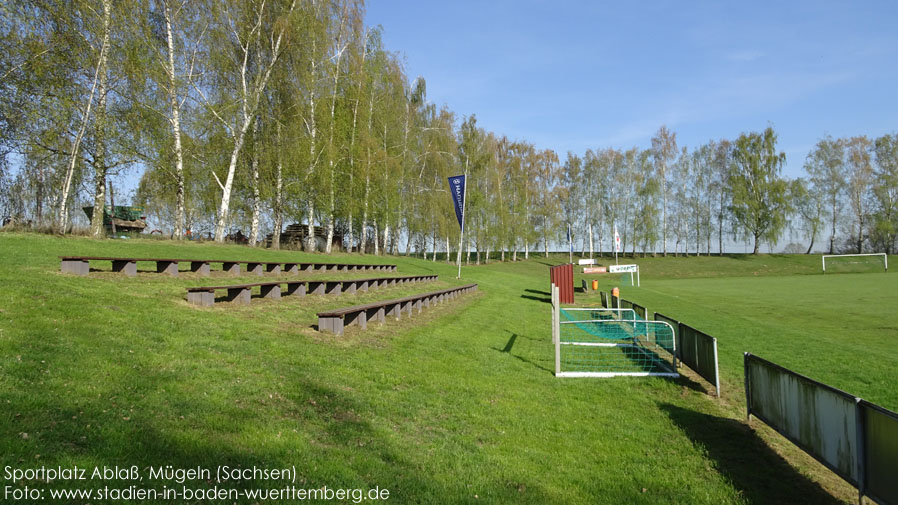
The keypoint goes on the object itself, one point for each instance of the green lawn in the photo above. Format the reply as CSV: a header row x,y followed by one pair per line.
x,y
456,406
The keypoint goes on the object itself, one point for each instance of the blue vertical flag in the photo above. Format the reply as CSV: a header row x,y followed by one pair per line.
x,y
457,187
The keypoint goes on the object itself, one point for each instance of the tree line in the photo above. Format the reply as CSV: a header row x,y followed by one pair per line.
x,y
250,115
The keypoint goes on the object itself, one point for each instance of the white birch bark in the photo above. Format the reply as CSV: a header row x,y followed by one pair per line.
x,y
249,102
278,195
62,218
330,155
175,121
96,221
257,196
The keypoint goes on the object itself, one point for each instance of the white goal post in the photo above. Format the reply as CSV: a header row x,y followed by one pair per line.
x,y
885,258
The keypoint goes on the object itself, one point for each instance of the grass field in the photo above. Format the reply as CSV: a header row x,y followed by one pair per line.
x,y
458,405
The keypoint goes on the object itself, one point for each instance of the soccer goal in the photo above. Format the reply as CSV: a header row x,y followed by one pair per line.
x,y
603,342
855,263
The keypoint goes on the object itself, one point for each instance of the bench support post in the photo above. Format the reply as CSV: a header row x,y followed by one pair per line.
x,y
296,289
271,291
231,268
240,295
331,325
126,267
200,267
201,298
334,288
167,267
77,267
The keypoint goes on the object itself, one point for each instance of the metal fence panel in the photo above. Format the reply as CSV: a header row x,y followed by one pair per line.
x,y
880,452
604,299
676,326
818,418
640,310
699,352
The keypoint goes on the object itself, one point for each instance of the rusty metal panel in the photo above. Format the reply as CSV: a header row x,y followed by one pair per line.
x,y
818,418
563,277
880,452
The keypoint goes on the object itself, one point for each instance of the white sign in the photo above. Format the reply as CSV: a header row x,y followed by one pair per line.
x,y
616,269
586,262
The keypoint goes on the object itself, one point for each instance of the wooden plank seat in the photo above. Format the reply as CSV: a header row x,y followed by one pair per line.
x,y
333,321
241,293
80,265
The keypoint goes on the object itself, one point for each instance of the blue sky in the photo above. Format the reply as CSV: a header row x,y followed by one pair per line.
x,y
569,76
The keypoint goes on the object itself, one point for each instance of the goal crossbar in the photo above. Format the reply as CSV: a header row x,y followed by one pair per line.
x,y
885,258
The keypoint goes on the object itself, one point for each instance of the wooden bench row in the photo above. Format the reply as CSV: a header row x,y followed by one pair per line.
x,y
242,293
80,265
334,321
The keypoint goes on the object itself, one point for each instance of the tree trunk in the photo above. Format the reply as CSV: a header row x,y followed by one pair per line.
x,y
257,194
96,223
590,241
376,239
757,243
62,218
278,194
832,238
330,143
250,101
176,127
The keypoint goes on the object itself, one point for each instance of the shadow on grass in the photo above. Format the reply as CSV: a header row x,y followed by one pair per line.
x,y
328,436
537,298
759,474
687,382
538,292
510,344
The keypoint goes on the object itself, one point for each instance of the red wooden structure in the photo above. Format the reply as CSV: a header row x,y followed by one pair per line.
x,y
563,277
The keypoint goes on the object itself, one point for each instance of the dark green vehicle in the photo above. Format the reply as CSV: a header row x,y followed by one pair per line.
x,y
126,219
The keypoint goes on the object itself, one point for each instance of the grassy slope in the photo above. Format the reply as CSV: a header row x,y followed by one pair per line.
x,y
461,403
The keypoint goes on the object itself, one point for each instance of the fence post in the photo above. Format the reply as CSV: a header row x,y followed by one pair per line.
x,y
860,427
556,328
716,370
747,392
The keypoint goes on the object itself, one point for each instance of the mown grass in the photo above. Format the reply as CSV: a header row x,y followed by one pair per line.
x,y
458,405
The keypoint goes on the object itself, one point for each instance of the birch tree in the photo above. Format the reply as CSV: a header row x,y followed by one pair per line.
x,y
249,67
664,150
858,152
825,166
759,203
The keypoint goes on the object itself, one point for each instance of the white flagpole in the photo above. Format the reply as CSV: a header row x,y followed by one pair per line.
x,y
461,236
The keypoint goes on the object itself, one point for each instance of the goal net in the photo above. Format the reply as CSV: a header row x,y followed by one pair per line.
x,y
855,263
603,342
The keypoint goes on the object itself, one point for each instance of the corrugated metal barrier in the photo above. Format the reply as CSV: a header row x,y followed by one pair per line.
x,y
563,277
